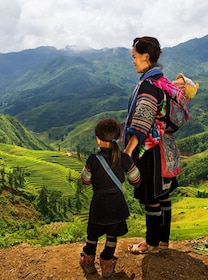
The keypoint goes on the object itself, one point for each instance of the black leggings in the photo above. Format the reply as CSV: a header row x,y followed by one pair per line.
x,y
108,251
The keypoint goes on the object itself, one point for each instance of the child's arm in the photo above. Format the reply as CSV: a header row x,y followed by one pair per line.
x,y
86,176
133,175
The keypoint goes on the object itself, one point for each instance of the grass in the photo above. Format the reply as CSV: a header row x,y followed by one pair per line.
x,y
189,220
52,169
43,168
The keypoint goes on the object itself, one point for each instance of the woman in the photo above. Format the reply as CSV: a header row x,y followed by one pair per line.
x,y
145,140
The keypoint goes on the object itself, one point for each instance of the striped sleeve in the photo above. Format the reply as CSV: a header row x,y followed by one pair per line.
x,y
145,113
86,176
133,175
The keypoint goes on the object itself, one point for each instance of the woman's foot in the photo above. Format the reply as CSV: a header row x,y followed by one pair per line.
x,y
163,245
143,248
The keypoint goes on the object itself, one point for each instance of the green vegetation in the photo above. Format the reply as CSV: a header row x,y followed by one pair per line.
x,y
194,169
37,188
51,90
82,135
193,144
189,218
60,95
42,201
189,215
12,132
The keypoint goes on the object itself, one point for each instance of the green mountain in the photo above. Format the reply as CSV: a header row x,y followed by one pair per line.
x,y
59,95
190,57
48,89
12,132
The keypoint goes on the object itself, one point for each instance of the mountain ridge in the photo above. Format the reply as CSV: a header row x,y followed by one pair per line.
x,y
12,132
49,89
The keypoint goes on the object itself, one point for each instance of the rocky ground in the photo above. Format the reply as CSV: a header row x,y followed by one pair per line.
x,y
182,261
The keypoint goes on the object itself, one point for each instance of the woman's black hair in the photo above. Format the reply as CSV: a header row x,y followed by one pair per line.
x,y
109,130
148,45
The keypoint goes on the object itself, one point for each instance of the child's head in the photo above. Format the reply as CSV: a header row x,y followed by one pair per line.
x,y
186,85
108,130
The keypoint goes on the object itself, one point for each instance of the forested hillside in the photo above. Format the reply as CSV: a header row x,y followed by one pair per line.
x,y
58,96
53,91
43,201
12,132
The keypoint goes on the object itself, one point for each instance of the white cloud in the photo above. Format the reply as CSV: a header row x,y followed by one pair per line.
x,y
98,24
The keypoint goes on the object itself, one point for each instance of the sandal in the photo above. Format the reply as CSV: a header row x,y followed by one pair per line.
x,y
163,245
143,248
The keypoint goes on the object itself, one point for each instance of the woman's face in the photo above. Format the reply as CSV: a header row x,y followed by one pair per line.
x,y
140,61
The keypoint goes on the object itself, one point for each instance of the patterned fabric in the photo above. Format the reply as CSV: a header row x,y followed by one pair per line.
x,y
177,103
133,175
86,175
173,91
153,138
156,156
134,99
144,113
170,157
147,122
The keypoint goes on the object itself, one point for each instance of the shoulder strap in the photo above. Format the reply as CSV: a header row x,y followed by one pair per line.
x,y
109,171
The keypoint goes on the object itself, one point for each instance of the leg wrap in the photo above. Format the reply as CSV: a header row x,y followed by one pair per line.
x,y
153,224
90,247
109,249
165,220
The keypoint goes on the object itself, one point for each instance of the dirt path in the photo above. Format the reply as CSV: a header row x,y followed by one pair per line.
x,y
61,262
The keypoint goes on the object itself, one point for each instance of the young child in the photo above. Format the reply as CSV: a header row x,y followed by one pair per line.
x,y
186,85
108,210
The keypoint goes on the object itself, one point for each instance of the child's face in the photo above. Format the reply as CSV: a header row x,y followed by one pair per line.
x,y
180,83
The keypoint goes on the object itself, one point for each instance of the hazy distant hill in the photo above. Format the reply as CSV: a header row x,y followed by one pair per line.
x,y
48,89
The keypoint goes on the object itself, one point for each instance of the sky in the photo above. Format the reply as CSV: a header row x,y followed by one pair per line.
x,y
28,24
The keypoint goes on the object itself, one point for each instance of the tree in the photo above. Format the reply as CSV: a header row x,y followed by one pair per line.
x,y
2,179
43,201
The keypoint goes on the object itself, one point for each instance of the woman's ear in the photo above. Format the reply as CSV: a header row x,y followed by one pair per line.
x,y
146,57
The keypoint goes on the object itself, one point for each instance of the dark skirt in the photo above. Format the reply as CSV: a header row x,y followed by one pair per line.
x,y
94,231
151,189
108,208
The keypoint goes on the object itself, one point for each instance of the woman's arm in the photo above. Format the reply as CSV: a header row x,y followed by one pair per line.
x,y
133,142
